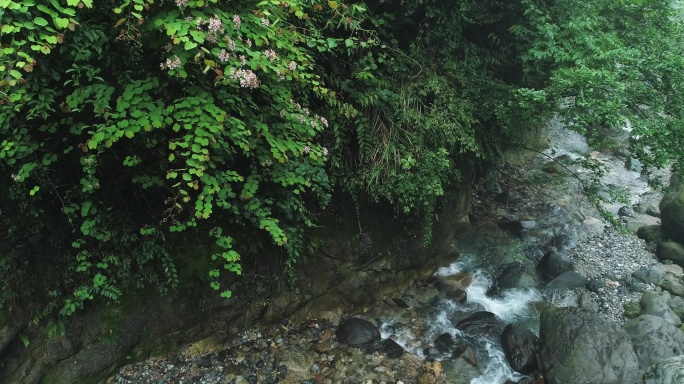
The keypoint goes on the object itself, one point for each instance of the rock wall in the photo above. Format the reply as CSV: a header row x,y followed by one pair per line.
x,y
363,253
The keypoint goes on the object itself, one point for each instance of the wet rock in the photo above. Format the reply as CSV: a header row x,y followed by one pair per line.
x,y
668,371
357,332
298,364
652,211
520,347
650,233
459,371
445,343
670,250
656,304
392,349
514,275
576,346
567,280
455,286
654,339
482,323
554,263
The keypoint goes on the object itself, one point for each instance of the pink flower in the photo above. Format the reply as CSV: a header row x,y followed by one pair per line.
x,y
307,149
224,56
292,65
236,21
265,22
325,151
270,54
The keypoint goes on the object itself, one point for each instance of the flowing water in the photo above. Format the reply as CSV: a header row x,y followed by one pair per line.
x,y
563,218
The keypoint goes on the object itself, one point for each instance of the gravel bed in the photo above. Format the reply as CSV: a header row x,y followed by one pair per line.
x,y
608,261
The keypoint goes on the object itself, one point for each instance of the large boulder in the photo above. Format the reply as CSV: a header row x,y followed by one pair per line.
x,y
357,332
668,371
654,339
482,323
670,250
657,304
520,347
650,233
658,275
672,211
576,346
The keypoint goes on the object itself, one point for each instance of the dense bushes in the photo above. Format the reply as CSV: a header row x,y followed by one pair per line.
x,y
130,128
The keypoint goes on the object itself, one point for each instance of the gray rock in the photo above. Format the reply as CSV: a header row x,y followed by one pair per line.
x,y
576,346
677,306
656,304
514,275
554,263
654,339
670,250
633,164
567,280
658,275
626,211
668,371
298,364
652,211
587,302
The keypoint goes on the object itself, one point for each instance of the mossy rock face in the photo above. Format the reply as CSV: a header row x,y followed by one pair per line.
x,y
672,211
632,310
672,251
651,234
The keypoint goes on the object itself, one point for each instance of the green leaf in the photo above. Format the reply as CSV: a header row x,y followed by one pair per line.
x,y
40,21
61,22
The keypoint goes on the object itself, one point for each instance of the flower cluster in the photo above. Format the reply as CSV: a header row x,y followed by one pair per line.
x,y
224,56
265,22
247,78
292,65
270,54
237,21
171,63
182,3
231,44
215,25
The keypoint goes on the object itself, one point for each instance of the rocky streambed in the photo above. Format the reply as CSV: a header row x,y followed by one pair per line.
x,y
544,290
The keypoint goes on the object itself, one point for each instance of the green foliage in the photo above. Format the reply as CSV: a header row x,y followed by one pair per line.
x,y
131,129
136,122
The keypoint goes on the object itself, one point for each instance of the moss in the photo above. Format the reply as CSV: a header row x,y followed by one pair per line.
x,y
632,309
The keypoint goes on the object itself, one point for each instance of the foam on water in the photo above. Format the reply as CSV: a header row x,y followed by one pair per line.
x,y
497,369
513,304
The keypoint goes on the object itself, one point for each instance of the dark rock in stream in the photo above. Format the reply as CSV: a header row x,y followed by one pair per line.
x,y
520,347
514,275
482,323
554,263
357,332
392,349
576,346
626,211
